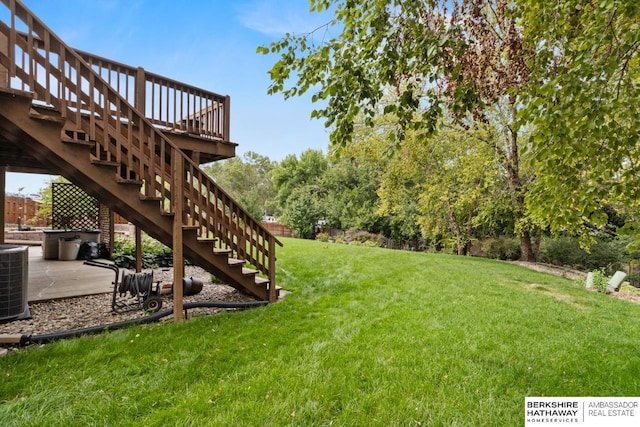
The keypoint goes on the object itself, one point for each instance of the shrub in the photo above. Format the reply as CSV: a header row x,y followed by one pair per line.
x,y
364,238
504,248
609,253
563,251
154,253
323,237
634,279
600,280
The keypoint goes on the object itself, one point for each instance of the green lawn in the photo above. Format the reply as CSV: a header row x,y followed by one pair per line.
x,y
368,337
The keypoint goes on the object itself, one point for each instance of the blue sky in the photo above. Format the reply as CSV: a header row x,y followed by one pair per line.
x,y
209,44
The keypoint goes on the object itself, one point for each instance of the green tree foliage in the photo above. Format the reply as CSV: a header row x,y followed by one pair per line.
x,y
303,211
351,199
292,173
408,59
44,210
565,72
449,181
584,104
298,183
463,54
351,71
248,179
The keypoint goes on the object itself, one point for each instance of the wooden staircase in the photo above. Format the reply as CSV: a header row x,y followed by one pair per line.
x,y
56,106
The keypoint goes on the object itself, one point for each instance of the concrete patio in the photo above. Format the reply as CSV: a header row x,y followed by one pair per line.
x,y
53,279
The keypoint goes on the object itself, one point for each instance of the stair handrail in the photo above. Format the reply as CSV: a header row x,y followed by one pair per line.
x,y
146,155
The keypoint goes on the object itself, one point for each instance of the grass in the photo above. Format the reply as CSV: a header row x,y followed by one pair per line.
x,y
368,337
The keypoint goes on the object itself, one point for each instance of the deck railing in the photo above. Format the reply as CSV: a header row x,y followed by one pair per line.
x,y
39,62
165,102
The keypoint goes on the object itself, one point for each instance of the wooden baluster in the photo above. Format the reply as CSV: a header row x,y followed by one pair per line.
x,y
63,83
47,68
176,118
11,48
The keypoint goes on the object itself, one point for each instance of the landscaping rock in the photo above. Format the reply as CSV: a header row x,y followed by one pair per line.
x,y
92,310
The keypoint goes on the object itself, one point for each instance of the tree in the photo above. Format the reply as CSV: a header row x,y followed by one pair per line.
x,y
351,200
46,199
565,72
455,180
351,72
303,211
247,180
298,183
584,104
470,56
292,173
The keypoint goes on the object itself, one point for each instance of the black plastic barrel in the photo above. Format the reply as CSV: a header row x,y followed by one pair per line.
x,y
191,286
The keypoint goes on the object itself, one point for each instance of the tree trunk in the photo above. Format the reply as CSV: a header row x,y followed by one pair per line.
x,y
526,248
457,231
536,245
467,246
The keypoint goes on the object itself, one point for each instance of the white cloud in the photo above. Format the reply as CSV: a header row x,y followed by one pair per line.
x,y
275,18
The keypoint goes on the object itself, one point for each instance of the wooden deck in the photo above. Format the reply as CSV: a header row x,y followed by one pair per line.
x,y
134,140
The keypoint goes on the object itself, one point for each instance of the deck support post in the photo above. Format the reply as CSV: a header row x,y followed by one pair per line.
x,y
3,182
112,232
273,295
177,166
138,233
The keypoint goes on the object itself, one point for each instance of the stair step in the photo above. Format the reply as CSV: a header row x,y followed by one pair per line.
x,y
108,163
67,139
129,181
233,262
261,281
150,198
207,239
194,230
39,105
221,251
16,92
76,136
249,272
46,117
